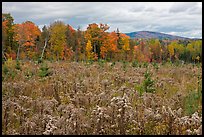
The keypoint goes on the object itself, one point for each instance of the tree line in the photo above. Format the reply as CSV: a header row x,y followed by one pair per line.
x,y
60,41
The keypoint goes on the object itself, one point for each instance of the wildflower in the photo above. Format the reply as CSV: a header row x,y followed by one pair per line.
x,y
171,112
179,112
157,117
189,132
148,112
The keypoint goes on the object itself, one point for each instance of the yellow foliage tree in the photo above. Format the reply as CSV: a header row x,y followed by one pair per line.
x,y
126,44
171,49
57,39
89,48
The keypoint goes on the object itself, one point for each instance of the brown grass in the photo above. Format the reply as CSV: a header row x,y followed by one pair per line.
x,y
81,98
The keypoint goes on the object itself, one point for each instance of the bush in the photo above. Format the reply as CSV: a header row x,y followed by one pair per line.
x,y
108,59
90,61
140,89
40,60
125,65
8,73
18,67
5,70
112,64
29,74
101,62
145,64
12,74
148,83
155,65
191,102
134,64
44,70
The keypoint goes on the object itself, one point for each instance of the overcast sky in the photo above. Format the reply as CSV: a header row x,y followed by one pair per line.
x,y
178,18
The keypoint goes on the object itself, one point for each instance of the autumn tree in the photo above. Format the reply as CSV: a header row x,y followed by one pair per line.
x,y
95,33
57,31
137,54
179,51
61,42
8,43
109,45
145,51
113,49
26,35
71,36
119,40
125,44
155,49
170,48
195,50
44,41
89,53
131,52
80,45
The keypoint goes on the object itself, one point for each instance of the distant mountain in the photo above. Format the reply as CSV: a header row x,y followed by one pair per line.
x,y
156,35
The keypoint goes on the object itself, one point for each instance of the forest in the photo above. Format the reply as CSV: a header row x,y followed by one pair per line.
x,y
65,81
60,41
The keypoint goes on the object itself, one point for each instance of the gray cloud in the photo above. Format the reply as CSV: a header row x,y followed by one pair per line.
x,y
179,18
183,6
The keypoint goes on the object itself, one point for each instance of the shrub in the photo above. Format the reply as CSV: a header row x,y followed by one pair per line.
x,y
29,74
148,83
18,67
40,60
12,74
125,65
5,70
199,83
191,102
145,64
8,72
101,62
44,70
134,64
140,89
155,65
112,64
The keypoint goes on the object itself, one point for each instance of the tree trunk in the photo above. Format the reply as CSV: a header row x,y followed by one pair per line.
x,y
76,53
18,52
4,55
44,49
94,48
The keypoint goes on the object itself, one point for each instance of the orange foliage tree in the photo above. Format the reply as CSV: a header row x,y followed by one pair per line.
x,y
97,35
109,45
26,35
8,43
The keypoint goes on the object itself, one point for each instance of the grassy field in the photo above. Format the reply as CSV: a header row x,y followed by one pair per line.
x,y
101,98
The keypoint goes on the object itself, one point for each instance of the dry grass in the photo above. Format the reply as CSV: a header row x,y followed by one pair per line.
x,y
82,98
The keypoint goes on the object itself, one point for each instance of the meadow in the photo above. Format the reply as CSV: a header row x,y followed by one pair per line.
x,y
58,98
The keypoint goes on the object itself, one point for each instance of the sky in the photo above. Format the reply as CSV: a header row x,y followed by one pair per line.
x,y
177,18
